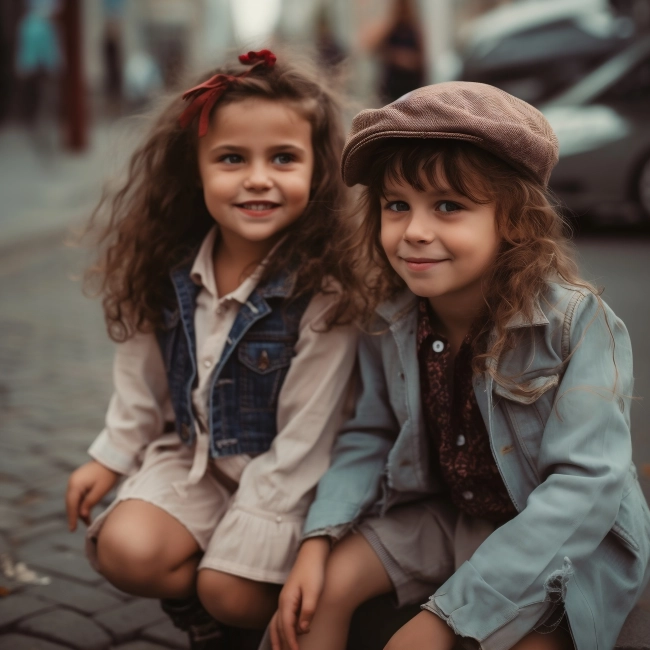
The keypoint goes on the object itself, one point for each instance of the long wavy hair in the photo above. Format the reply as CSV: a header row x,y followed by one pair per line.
x,y
158,218
534,247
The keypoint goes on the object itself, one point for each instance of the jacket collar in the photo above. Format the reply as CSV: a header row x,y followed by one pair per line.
x,y
401,304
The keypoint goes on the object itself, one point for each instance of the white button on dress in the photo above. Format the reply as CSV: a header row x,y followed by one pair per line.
x,y
468,496
460,441
438,346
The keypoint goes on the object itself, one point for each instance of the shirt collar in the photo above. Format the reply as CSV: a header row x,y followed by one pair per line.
x,y
401,304
202,271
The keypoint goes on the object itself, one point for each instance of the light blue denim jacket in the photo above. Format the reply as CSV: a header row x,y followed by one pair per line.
x,y
582,532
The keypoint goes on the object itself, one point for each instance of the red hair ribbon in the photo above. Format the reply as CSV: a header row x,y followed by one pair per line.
x,y
205,95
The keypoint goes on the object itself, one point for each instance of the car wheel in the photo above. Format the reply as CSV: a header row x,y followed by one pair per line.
x,y
643,187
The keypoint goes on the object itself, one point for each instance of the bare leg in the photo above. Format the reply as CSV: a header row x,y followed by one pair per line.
x,y
146,552
353,575
237,601
560,639
427,631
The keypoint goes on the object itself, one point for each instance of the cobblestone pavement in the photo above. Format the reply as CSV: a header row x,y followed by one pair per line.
x,y
54,385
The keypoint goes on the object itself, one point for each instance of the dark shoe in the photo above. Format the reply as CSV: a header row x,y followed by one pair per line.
x,y
187,614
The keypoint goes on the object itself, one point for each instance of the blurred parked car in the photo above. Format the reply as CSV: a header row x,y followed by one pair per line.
x,y
536,49
603,126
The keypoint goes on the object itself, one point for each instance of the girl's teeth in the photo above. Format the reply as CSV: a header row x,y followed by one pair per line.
x,y
257,206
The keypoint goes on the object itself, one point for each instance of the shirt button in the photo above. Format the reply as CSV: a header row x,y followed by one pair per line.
x,y
438,346
207,363
460,441
278,519
468,496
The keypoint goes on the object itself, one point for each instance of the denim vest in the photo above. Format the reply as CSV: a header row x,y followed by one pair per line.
x,y
246,382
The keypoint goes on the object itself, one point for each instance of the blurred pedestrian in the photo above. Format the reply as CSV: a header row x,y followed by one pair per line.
x,y
112,51
223,287
39,62
398,44
330,52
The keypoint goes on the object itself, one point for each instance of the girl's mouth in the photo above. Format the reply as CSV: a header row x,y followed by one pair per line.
x,y
257,208
422,263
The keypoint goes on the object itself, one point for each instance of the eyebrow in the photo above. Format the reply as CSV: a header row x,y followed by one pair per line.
x,y
438,191
232,148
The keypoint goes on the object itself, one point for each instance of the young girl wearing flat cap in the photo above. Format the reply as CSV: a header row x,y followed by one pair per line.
x,y
489,459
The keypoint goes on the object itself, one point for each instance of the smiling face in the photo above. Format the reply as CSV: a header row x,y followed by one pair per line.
x,y
438,241
256,164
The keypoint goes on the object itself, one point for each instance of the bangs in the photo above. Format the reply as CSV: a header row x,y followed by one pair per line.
x,y
441,165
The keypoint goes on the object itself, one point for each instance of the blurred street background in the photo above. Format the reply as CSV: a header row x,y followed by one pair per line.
x,y
75,78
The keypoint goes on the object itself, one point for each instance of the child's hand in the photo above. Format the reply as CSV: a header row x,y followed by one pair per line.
x,y
426,630
86,486
299,596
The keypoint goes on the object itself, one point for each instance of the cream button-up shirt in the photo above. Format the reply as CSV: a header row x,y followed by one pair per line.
x,y
276,487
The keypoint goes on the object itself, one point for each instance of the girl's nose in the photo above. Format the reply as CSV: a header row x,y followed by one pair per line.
x,y
258,178
419,229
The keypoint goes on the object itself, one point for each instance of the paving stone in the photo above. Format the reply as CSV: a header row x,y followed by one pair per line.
x,y
66,540
635,634
70,459
18,467
166,634
36,548
108,588
18,606
137,645
88,600
127,619
39,529
68,628
21,642
10,518
24,467
44,508
54,486
12,491
68,564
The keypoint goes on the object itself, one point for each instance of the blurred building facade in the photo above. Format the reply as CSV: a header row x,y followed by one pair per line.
x,y
142,45
122,39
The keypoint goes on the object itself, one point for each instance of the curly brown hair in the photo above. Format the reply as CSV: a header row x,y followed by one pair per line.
x,y
157,218
534,247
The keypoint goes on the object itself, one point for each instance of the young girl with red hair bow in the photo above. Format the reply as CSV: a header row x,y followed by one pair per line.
x,y
230,305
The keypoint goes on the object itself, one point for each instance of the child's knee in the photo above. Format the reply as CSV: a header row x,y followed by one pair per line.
x,y
121,552
220,596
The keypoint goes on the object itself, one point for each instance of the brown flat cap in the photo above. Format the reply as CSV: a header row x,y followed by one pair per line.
x,y
456,110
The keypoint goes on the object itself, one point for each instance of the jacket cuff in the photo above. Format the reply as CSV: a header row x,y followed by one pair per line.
x,y
470,606
335,533
329,515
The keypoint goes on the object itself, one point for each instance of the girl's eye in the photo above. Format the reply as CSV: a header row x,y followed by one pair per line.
x,y
283,158
397,206
231,159
449,206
